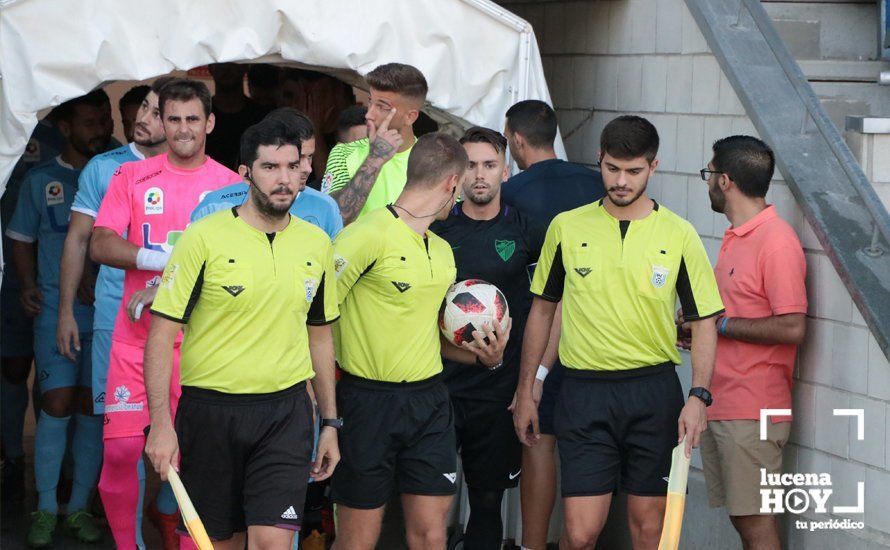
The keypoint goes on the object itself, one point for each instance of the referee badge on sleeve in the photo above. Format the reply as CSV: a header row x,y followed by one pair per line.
x,y
659,276
311,286
340,264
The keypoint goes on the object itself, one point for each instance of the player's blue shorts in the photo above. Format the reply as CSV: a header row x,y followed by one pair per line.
x,y
54,370
16,328
101,356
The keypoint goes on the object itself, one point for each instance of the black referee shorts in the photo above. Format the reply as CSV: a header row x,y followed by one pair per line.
x,y
490,452
245,458
395,436
617,430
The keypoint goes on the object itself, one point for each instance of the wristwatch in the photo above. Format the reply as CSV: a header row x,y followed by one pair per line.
x,y
335,423
702,394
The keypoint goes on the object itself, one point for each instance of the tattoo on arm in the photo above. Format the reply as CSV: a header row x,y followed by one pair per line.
x,y
353,196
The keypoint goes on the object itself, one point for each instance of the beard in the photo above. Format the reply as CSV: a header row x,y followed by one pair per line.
x,y
480,199
627,201
267,208
90,148
147,142
718,199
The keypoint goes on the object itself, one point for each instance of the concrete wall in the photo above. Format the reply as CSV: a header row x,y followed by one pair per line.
x,y
648,57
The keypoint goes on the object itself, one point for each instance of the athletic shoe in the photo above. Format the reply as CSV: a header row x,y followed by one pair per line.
x,y
13,480
43,524
166,525
83,526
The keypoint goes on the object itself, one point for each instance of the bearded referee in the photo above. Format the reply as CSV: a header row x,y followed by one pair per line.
x,y
253,288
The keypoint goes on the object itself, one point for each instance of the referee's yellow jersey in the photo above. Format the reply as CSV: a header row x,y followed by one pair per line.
x,y
246,298
619,282
391,283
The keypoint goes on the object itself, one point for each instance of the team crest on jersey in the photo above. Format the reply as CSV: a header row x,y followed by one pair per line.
x,y
659,276
169,276
55,193
32,151
154,201
340,264
311,286
327,182
505,249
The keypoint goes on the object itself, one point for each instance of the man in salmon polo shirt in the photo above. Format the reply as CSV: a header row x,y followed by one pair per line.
x,y
146,208
760,273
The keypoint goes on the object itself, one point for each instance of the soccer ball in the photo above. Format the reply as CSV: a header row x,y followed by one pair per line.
x,y
468,306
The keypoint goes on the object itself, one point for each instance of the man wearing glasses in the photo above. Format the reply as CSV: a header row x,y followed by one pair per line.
x,y
760,273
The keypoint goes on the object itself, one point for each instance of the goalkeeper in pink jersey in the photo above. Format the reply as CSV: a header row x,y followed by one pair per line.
x,y
146,208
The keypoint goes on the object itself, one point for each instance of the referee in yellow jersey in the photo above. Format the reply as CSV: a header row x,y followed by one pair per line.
x,y
253,288
619,265
398,425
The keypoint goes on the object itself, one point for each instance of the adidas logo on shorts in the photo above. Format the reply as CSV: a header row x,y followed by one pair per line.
x,y
452,477
290,513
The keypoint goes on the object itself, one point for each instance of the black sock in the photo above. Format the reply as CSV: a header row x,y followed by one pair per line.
x,y
484,528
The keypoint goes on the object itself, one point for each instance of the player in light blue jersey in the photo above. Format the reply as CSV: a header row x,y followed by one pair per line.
x,y
38,229
92,185
16,328
312,206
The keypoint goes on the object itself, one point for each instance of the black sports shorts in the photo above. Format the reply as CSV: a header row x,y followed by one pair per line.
x,y
395,437
617,430
245,458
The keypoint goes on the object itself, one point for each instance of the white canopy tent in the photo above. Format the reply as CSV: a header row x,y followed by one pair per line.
x,y
478,58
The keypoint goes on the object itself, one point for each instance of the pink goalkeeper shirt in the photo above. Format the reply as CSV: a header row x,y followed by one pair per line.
x,y
761,272
151,201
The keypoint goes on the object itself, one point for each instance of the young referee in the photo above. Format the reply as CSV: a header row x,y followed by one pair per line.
x,y
253,288
495,243
619,265
398,425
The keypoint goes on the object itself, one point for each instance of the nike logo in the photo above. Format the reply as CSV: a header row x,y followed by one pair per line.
x,y
452,477
514,476
667,479
583,271
401,287
234,290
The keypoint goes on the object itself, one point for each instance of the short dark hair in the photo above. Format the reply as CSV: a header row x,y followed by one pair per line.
x,y
160,82
263,75
296,120
266,132
399,78
67,110
747,161
353,115
480,134
185,89
134,96
534,120
434,157
629,137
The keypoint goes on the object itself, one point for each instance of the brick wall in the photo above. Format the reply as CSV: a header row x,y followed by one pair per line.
x,y
648,57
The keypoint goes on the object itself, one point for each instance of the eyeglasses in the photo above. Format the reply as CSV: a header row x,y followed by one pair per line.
x,y
706,174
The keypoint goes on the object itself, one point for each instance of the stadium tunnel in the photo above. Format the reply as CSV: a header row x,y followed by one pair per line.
x,y
477,57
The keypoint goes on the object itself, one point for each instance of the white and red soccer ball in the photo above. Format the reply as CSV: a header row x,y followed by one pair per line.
x,y
468,306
